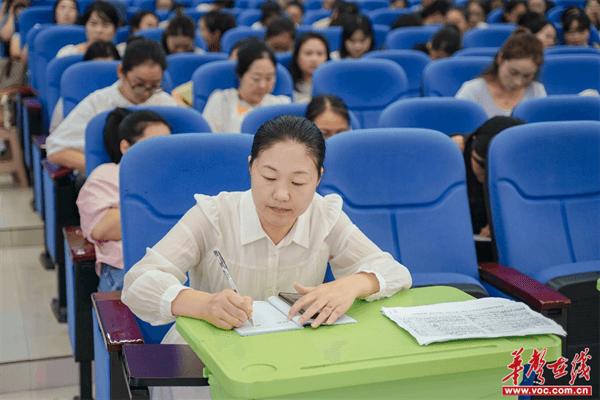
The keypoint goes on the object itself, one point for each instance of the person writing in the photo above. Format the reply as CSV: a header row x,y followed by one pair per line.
x,y
278,236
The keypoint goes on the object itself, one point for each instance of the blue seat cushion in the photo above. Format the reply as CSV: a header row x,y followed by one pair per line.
x,y
547,274
444,278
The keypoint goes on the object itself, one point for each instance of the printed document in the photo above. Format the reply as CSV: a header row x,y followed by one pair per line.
x,y
488,317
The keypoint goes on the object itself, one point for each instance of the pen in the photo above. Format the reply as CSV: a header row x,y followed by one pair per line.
x,y
225,270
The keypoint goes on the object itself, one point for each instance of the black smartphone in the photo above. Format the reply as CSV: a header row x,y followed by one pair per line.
x,y
290,298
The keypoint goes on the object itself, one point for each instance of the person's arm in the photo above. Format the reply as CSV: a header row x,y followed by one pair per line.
x,y
8,28
214,110
14,50
153,288
108,227
70,158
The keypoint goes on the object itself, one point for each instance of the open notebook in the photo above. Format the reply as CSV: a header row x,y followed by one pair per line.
x,y
271,316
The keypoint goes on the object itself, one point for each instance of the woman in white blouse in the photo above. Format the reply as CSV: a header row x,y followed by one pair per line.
x,y
256,70
278,236
310,51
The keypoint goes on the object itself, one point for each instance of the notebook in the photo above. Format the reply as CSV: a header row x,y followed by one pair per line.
x,y
271,316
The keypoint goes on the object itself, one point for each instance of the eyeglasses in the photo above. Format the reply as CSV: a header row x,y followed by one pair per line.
x,y
141,89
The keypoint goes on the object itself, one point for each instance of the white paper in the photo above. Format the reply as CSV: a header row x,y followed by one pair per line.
x,y
481,318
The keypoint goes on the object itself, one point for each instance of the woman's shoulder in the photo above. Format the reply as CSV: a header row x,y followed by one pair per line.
x,y
271,99
326,210
537,89
69,50
215,207
472,87
227,95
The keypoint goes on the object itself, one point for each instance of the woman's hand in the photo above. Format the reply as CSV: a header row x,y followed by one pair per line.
x,y
227,309
332,300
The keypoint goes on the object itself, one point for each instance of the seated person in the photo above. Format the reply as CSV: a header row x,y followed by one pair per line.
x,y
538,6
310,52
98,51
475,149
295,11
576,27
592,10
456,16
540,27
510,79
443,44
9,16
513,10
101,20
269,11
180,36
98,199
256,70
140,76
280,35
330,114
477,11
340,9
407,20
281,214
357,37
143,20
212,27
435,13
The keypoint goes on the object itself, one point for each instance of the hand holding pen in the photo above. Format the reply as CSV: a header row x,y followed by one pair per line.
x,y
232,284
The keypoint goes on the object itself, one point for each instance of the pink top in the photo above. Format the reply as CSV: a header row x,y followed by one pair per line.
x,y
99,193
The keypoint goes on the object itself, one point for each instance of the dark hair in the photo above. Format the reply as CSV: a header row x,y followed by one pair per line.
x,y
105,11
405,20
250,51
295,3
340,10
101,49
510,5
483,136
319,104
353,24
140,51
436,7
218,21
573,14
123,124
136,19
533,21
294,67
295,129
220,4
269,9
57,3
482,4
520,44
447,39
179,25
280,25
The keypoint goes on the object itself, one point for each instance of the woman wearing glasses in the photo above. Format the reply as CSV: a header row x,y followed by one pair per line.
x,y
510,79
140,76
256,70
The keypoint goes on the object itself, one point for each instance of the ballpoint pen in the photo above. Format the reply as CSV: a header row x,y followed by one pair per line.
x,y
225,270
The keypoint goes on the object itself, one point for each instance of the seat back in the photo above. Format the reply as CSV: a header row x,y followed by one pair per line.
x,y
407,38
221,75
406,190
180,119
332,34
445,77
151,34
386,16
150,206
46,44
366,86
491,36
249,17
181,66
563,49
544,187
234,35
54,73
32,16
313,15
76,85
444,114
570,74
559,108
413,63
260,115
369,5
477,52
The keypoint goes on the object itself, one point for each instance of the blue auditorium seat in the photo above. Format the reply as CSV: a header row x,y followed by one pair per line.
x,y
563,49
54,74
444,77
477,52
386,16
221,75
31,16
570,74
248,17
370,5
234,35
151,33
76,85
444,114
181,66
559,108
413,63
313,15
495,16
407,38
313,4
366,86
332,34
491,36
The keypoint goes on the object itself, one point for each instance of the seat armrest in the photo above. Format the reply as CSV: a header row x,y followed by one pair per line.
x,y
162,365
56,171
116,321
80,249
32,103
538,296
39,141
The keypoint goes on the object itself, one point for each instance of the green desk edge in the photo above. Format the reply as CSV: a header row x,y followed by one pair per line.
x,y
375,350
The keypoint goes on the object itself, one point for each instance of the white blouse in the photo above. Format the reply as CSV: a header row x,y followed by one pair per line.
x,y
229,222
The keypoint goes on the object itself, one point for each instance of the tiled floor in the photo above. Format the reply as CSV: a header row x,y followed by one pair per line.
x,y
35,352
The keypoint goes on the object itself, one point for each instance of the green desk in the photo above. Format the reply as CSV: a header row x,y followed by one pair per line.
x,y
371,359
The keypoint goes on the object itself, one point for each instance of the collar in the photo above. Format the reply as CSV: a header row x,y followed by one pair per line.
x,y
251,229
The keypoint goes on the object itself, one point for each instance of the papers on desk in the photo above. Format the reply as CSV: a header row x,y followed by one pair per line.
x,y
482,318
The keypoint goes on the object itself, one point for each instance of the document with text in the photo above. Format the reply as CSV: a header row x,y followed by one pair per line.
x,y
488,317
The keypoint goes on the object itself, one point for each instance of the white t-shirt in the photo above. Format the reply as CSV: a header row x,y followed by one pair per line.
x,y
69,50
70,133
225,111
229,222
476,90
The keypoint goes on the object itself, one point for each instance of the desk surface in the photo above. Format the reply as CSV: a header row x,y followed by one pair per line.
x,y
371,351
